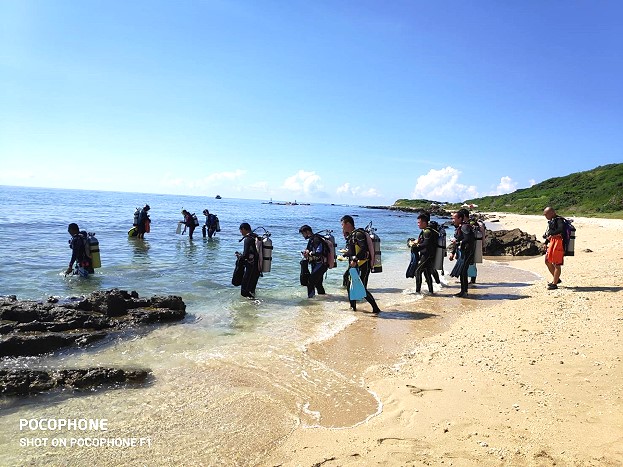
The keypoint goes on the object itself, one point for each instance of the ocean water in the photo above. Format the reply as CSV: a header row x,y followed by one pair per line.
x,y
232,379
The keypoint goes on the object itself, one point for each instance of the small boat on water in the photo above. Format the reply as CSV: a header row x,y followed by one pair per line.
x,y
218,197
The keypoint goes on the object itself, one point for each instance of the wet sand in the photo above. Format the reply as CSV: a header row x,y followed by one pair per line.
x,y
515,375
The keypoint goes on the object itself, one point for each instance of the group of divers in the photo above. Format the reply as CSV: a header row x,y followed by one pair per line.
x,y
362,253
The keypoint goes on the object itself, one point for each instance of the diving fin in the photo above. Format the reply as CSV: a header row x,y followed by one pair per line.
x,y
356,291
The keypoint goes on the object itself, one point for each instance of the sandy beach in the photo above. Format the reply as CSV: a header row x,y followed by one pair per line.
x,y
514,375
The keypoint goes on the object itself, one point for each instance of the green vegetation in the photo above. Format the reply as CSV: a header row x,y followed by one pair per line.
x,y
594,193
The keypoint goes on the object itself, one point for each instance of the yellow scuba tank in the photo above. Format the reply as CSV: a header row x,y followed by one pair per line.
x,y
94,248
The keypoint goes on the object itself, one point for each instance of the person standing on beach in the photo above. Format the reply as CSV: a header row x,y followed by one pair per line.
x,y
250,261
426,245
358,254
462,247
317,256
554,258
80,254
143,222
479,229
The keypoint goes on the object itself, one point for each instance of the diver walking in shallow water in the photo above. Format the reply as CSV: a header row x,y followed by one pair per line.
x,y
316,255
80,255
211,225
143,225
249,261
189,223
358,254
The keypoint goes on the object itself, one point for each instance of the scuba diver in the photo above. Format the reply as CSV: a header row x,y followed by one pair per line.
x,y
358,254
426,245
211,225
315,254
463,246
80,253
247,262
143,225
189,223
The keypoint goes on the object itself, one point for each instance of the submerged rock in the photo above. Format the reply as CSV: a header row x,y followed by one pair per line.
x,y
34,328
21,382
512,243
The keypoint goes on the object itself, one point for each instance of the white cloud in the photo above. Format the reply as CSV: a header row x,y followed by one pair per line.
x,y
303,182
443,185
229,176
506,185
532,182
347,189
262,187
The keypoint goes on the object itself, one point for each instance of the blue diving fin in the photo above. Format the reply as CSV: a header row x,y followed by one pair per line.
x,y
356,291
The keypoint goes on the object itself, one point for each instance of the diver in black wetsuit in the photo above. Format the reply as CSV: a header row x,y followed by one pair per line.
x,y
316,255
250,258
359,256
463,246
79,247
426,246
210,225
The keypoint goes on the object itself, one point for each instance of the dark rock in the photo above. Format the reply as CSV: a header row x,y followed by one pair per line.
x,y
33,328
37,344
20,382
512,243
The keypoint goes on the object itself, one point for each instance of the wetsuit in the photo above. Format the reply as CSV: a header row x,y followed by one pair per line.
x,y
143,219
251,267
79,257
357,246
209,226
426,246
189,222
465,242
317,260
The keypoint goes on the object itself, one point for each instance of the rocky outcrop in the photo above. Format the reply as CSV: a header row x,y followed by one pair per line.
x,y
512,243
21,382
34,328
433,211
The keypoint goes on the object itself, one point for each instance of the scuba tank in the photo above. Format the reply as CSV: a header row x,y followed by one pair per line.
x,y
329,241
570,250
94,248
568,237
440,251
137,213
218,224
376,243
264,247
195,220
478,248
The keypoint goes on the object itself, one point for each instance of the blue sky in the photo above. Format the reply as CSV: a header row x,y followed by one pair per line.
x,y
358,102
